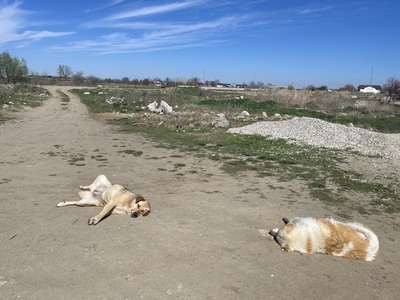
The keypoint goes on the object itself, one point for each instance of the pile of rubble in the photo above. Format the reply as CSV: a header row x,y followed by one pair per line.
x,y
162,108
222,122
8,105
115,100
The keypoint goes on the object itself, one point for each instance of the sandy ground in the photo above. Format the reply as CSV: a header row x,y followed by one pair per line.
x,y
201,241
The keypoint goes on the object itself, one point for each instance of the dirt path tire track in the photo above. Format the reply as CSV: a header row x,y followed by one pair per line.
x,y
201,240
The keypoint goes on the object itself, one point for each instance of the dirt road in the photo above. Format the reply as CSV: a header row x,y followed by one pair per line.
x,y
201,241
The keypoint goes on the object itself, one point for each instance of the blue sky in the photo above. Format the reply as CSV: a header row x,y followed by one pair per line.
x,y
281,42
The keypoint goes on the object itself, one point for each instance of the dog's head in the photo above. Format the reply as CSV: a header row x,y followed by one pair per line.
x,y
283,235
140,207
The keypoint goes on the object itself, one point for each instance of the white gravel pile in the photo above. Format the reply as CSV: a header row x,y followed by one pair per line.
x,y
319,133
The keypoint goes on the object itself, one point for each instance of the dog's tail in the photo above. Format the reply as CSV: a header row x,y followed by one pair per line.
x,y
373,246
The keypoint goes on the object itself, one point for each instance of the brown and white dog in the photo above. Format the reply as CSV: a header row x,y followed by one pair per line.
x,y
327,236
115,199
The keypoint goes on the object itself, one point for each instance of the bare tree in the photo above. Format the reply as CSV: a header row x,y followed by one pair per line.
x,y
93,80
78,78
349,87
64,71
169,82
392,88
194,81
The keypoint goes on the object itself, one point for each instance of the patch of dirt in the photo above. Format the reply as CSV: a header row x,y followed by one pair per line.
x,y
205,237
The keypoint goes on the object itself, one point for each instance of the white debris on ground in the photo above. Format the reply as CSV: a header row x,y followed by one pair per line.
x,y
220,121
115,100
320,133
163,108
264,233
8,105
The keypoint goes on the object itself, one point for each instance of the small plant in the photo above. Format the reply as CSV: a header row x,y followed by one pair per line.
x,y
132,152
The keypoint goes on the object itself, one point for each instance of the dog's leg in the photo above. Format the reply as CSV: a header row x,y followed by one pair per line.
x,y
100,183
94,202
106,210
87,199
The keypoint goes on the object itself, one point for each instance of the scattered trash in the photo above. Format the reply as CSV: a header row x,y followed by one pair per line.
x,y
115,100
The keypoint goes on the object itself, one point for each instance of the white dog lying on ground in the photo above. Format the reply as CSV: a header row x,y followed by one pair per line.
x,y
327,236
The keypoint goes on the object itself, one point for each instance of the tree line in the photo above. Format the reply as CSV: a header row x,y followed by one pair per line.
x,y
15,70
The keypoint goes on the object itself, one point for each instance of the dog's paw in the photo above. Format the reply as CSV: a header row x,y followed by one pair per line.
x,y
61,204
93,221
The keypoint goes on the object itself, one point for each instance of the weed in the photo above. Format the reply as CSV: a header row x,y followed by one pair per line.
x,y
132,152
74,159
179,165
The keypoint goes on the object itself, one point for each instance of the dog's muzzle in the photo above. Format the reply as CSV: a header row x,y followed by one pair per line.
x,y
134,214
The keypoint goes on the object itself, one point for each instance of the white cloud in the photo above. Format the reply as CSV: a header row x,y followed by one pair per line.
x,y
107,5
202,22
13,25
154,36
314,10
158,9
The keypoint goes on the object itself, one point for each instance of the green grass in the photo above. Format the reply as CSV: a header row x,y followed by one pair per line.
x,y
64,97
23,95
13,97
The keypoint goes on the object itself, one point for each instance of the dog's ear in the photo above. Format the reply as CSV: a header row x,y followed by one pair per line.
x,y
146,213
139,198
285,220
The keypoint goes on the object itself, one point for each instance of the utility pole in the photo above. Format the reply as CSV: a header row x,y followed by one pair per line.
x,y
372,73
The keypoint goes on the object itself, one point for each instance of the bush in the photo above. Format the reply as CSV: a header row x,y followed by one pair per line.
x,y
12,70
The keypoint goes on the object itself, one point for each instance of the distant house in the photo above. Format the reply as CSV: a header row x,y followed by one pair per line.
x,y
369,89
159,83
224,85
